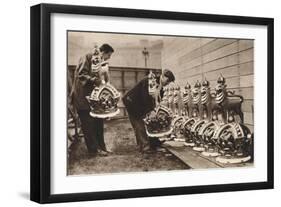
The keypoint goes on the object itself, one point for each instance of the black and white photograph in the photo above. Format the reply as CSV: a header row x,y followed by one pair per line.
x,y
141,103
135,103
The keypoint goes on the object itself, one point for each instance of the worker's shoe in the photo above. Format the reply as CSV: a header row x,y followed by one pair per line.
x,y
102,153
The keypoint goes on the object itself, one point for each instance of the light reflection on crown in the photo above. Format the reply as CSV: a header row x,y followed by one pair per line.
x,y
103,101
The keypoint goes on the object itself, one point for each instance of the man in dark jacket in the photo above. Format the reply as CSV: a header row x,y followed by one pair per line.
x,y
83,84
139,102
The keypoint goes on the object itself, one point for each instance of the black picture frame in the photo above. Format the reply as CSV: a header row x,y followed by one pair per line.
x,y
41,99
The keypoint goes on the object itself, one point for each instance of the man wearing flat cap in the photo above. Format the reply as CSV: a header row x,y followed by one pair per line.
x,y
139,102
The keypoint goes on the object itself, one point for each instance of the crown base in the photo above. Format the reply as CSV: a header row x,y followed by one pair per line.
x,y
189,144
234,160
198,149
104,115
159,134
210,154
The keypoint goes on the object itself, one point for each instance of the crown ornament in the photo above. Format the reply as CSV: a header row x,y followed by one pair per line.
x,y
104,98
158,123
103,101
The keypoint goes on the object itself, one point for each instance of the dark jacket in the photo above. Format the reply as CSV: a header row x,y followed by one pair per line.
x,y
83,84
137,101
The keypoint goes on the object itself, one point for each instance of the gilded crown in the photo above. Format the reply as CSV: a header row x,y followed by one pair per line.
x,y
103,101
158,123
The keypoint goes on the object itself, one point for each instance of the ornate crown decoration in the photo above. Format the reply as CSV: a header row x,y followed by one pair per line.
x,y
206,121
234,141
103,101
158,123
104,97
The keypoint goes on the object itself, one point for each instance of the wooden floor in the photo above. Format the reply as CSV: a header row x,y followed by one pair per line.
x,y
195,159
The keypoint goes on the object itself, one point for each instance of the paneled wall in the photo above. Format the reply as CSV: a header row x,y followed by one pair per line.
x,y
192,59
